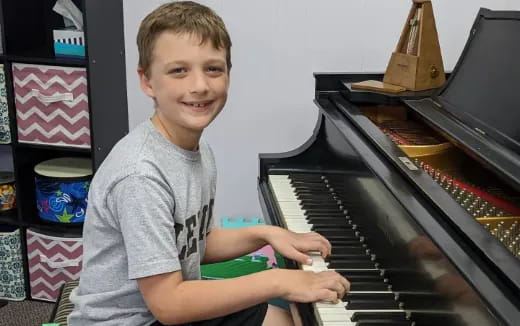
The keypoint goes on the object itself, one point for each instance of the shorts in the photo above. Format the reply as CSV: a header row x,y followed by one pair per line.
x,y
253,316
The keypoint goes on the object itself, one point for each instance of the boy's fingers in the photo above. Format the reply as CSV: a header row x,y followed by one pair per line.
x,y
327,295
324,244
337,286
319,245
346,284
303,258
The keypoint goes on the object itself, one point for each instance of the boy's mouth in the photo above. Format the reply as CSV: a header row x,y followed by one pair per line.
x,y
198,106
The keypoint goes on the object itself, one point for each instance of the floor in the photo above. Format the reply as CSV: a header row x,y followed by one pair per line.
x,y
26,313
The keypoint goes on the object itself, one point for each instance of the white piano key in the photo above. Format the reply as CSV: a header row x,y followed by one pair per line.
x,y
315,268
290,205
324,304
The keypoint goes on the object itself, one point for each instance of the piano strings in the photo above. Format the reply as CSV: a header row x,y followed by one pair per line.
x,y
496,210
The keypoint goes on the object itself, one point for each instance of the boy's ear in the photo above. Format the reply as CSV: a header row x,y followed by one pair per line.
x,y
144,82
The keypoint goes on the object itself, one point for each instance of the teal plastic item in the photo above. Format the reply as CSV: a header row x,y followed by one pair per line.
x,y
69,50
240,222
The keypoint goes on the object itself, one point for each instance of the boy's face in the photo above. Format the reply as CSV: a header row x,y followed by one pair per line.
x,y
187,80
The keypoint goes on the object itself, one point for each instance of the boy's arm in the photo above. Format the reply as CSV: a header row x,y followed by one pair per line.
x,y
174,301
226,244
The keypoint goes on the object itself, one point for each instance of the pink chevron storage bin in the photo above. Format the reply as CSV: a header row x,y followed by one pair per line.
x,y
51,105
53,260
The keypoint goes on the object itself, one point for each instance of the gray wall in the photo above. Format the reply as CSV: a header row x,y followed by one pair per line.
x,y
277,45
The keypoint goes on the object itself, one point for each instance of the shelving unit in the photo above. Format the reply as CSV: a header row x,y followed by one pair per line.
x,y
27,38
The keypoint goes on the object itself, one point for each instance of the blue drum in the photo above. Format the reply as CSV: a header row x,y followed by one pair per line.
x,y
62,186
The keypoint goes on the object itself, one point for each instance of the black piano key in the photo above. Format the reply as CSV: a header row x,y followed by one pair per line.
x,y
330,213
369,286
310,188
361,273
323,214
348,258
317,211
336,234
384,323
338,227
314,189
352,264
357,249
332,208
307,179
368,296
434,318
313,194
423,301
316,194
379,315
320,201
348,242
320,204
330,222
331,205
323,221
353,236
372,305
364,278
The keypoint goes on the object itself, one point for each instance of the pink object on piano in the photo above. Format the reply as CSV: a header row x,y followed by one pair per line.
x,y
268,252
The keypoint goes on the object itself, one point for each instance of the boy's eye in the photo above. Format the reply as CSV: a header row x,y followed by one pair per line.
x,y
215,69
179,70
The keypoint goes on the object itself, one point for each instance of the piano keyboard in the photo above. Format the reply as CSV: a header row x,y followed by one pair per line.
x,y
310,202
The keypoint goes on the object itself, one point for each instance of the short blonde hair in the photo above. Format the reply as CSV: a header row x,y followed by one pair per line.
x,y
181,17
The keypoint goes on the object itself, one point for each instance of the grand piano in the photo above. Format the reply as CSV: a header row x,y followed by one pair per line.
x,y
418,192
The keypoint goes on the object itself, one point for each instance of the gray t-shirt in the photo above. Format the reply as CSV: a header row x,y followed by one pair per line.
x,y
149,210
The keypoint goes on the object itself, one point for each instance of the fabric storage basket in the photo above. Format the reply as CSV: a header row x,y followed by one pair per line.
x,y
7,191
51,105
53,260
12,280
5,131
62,186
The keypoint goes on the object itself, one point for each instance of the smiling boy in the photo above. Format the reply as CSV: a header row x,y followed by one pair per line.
x,y
149,223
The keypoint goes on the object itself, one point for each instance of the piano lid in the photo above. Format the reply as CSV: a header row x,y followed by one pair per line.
x,y
478,106
483,90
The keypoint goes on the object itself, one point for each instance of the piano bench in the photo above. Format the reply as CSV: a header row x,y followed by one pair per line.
x,y
63,306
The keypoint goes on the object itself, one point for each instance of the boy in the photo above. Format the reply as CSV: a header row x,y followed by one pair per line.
x,y
150,223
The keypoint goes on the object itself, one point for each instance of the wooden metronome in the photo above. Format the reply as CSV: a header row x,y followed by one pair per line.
x,y
416,63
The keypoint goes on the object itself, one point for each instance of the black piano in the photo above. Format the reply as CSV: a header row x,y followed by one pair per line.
x,y
418,192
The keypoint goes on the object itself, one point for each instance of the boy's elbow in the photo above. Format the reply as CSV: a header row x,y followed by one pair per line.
x,y
169,313
160,292
165,315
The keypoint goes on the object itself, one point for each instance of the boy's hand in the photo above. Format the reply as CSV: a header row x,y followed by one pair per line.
x,y
296,245
306,286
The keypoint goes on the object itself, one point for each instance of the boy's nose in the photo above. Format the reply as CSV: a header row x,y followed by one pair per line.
x,y
199,84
